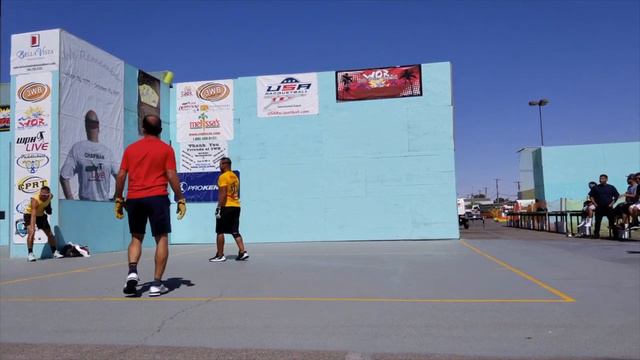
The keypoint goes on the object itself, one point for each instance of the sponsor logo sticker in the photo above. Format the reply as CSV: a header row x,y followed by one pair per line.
x,y
21,229
213,91
34,92
33,117
22,206
35,40
32,161
31,184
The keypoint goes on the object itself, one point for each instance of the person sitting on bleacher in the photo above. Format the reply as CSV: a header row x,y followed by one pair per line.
x,y
588,207
634,210
622,210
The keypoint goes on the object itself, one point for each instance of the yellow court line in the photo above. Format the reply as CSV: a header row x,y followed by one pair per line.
x,y
75,271
309,299
563,296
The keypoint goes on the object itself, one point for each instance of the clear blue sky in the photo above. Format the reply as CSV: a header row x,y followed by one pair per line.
x,y
584,56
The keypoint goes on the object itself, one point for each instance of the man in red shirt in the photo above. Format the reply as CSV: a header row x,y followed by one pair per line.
x,y
150,165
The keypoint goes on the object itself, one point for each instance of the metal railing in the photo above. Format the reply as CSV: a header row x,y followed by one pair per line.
x,y
562,222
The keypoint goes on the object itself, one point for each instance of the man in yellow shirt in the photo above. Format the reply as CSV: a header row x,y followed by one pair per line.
x,y
228,211
36,215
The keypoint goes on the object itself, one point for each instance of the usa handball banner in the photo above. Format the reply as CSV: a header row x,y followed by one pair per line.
x,y
204,111
32,158
200,186
287,95
379,83
91,120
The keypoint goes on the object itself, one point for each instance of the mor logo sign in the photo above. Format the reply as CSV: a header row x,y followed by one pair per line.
x,y
33,117
31,184
34,92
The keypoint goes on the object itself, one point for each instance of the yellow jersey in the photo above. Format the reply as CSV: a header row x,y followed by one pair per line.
x,y
231,181
41,204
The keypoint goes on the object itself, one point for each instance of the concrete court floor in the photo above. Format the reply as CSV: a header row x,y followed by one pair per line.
x,y
500,293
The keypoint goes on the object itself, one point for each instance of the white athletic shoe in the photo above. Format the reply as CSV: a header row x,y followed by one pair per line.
x,y
218,258
57,255
158,290
130,285
31,257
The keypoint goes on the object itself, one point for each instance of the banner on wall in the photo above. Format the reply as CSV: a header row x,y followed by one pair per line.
x,y
287,95
379,83
148,97
91,120
32,138
35,52
200,186
5,118
202,156
204,111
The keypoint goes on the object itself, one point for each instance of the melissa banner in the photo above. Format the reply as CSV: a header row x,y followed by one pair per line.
x,y
200,186
287,95
379,83
204,111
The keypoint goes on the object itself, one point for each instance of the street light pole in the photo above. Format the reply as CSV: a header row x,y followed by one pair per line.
x,y
540,103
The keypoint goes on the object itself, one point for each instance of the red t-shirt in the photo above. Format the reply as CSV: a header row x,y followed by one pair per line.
x,y
147,161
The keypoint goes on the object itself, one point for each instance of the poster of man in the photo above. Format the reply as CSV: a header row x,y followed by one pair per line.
x,y
91,120
92,162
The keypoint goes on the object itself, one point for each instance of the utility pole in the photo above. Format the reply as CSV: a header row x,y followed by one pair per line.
x,y
518,182
485,192
497,190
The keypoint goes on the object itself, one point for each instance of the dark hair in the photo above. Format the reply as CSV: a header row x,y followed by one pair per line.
x,y
150,128
593,182
225,159
46,188
605,175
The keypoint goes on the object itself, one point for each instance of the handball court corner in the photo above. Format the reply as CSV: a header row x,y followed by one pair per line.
x,y
498,293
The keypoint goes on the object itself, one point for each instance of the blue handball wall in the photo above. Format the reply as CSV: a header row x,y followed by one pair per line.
x,y
565,171
363,170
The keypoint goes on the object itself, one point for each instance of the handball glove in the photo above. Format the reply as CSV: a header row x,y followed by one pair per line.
x,y
218,213
119,208
182,208
48,209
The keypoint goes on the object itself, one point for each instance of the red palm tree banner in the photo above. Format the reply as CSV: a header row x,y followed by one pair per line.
x,y
379,83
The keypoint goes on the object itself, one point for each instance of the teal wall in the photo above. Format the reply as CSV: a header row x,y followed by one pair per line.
x,y
568,169
6,138
366,170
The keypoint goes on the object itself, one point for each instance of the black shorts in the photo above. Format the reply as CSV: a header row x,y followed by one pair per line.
x,y
41,222
622,209
230,221
154,208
